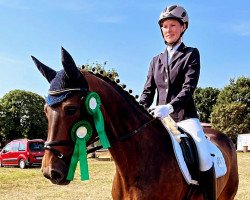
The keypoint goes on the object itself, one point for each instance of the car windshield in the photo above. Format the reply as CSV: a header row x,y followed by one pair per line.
x,y
36,146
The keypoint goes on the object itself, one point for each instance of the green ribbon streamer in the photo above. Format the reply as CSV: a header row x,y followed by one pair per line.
x,y
99,124
79,153
94,98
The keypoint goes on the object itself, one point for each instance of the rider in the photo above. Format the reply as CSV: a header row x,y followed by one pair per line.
x,y
174,74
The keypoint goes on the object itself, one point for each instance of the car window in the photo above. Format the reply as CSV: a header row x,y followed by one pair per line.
x,y
7,148
15,146
22,147
36,146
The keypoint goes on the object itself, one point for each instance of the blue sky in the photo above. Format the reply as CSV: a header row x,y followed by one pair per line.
x,y
123,33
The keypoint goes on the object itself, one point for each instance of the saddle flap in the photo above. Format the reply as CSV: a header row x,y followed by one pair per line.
x,y
218,159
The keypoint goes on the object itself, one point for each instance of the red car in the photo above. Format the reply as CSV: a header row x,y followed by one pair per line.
x,y
22,153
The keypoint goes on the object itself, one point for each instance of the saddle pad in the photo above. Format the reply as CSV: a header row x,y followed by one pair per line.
x,y
218,159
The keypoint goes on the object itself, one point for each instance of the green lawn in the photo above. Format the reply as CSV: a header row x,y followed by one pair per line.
x,y
18,184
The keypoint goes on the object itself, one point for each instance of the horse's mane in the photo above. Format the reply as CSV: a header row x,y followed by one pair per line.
x,y
120,88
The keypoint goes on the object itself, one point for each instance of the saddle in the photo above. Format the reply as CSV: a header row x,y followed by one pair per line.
x,y
188,147
187,155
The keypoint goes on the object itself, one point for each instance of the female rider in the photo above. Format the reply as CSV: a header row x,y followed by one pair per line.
x,y
174,74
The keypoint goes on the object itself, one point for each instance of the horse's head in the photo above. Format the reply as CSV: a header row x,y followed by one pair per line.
x,y
74,98
64,108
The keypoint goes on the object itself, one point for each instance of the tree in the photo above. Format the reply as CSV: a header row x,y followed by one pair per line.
x,y
231,114
205,99
22,116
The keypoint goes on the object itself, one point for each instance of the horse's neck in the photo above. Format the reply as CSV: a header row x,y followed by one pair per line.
x,y
144,154
124,117
122,114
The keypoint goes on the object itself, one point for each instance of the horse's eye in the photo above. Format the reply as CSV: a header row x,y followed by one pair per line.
x,y
71,110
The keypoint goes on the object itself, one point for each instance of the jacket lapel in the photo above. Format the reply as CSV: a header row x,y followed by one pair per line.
x,y
163,58
177,54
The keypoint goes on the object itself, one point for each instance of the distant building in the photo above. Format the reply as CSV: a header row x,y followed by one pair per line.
x,y
243,140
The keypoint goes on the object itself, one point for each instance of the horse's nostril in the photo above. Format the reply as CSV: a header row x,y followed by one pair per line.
x,y
56,176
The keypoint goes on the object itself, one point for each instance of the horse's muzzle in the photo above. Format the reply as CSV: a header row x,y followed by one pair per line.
x,y
55,171
55,176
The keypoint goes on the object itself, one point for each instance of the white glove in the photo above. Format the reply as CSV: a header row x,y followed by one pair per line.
x,y
162,111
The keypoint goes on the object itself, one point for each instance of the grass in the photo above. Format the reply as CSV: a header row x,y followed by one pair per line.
x,y
244,174
23,184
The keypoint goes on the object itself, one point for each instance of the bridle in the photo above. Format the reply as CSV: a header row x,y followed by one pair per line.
x,y
80,134
50,145
85,98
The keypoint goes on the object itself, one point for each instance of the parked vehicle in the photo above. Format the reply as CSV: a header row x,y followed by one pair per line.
x,y
22,153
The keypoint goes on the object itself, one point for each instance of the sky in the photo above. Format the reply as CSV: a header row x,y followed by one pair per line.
x,y
123,33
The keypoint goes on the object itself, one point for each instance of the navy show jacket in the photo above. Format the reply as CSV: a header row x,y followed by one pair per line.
x,y
175,82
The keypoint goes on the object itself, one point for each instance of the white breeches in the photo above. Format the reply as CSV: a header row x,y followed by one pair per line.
x,y
194,128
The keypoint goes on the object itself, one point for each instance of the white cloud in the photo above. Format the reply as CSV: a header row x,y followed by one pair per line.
x,y
242,29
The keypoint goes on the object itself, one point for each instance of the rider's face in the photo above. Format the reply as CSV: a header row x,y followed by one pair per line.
x,y
172,30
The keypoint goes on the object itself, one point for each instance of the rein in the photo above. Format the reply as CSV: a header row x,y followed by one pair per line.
x,y
49,145
127,136
122,138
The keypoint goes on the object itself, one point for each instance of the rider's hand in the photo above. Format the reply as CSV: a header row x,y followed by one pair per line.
x,y
162,111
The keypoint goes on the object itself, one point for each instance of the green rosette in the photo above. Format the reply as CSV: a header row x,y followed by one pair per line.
x,y
92,104
80,133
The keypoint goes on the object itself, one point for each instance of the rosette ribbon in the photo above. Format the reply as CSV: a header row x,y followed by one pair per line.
x,y
80,133
92,104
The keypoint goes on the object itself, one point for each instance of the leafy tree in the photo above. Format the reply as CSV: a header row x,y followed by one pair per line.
x,y
22,116
231,114
205,99
100,68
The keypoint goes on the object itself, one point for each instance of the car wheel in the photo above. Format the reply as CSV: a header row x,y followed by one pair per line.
x,y
22,164
1,165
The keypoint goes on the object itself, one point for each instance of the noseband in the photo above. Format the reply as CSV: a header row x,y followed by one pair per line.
x,y
49,146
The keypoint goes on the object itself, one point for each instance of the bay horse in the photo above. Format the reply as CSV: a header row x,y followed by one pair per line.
x,y
146,167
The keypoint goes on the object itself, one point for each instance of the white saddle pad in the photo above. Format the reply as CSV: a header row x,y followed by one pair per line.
x,y
218,159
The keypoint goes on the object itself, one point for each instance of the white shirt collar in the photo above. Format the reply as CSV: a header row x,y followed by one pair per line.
x,y
171,50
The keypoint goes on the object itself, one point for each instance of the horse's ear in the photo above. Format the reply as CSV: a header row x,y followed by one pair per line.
x,y
69,65
46,71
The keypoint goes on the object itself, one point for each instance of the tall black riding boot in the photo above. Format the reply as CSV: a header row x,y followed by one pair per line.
x,y
208,184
